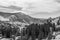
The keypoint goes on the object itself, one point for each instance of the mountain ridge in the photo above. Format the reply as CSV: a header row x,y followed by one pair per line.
x,y
21,17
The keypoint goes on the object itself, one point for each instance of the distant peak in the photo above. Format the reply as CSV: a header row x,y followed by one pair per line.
x,y
15,7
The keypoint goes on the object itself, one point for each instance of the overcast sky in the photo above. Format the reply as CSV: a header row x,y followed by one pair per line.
x,y
36,8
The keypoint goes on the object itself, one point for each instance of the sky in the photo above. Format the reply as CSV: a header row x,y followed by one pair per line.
x,y
35,8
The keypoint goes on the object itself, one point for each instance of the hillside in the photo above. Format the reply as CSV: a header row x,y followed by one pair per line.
x,y
55,20
21,17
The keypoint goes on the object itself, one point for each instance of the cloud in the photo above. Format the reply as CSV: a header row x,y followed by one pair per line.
x,y
45,6
58,1
45,15
35,6
41,6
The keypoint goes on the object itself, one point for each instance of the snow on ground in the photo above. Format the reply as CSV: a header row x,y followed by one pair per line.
x,y
57,37
5,39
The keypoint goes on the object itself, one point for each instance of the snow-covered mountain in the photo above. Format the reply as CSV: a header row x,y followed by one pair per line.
x,y
21,17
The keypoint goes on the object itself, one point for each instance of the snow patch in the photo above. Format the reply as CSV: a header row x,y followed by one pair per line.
x,y
3,19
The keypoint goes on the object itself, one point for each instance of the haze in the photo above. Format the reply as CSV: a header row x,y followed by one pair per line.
x,y
35,8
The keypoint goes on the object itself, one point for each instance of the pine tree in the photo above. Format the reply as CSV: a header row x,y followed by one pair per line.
x,y
58,22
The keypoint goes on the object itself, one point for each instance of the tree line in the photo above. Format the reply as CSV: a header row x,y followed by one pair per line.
x,y
7,30
39,31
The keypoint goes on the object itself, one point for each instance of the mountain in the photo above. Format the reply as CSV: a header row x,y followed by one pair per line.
x,y
12,7
5,9
21,17
55,20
